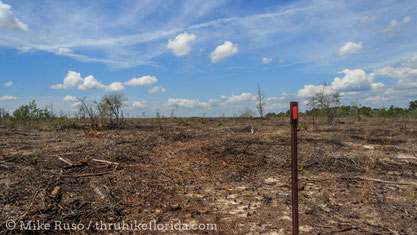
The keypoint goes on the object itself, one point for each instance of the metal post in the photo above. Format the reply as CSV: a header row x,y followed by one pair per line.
x,y
294,167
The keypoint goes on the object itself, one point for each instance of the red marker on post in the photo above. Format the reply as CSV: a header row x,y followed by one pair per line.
x,y
294,168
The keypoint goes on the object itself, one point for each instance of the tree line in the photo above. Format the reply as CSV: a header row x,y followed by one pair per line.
x,y
107,110
355,111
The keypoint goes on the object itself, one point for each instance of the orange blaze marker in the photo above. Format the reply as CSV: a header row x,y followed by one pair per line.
x,y
295,112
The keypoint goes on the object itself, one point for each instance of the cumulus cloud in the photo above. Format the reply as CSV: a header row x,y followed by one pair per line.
x,y
309,90
90,83
395,26
266,60
8,20
140,104
71,80
354,81
223,51
186,103
69,98
244,97
142,81
180,46
6,97
350,48
405,73
115,86
8,84
74,79
156,89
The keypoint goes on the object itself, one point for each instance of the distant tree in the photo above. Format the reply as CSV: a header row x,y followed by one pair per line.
x,y
86,109
355,108
102,110
4,115
413,105
325,101
270,115
247,113
112,105
260,104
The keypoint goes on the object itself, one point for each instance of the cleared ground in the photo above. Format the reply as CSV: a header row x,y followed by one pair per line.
x,y
356,177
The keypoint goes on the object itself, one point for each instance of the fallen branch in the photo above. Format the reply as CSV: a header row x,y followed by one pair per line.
x,y
28,209
104,161
341,231
4,166
66,161
383,181
88,174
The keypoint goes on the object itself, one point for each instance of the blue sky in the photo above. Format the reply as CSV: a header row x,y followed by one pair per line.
x,y
205,57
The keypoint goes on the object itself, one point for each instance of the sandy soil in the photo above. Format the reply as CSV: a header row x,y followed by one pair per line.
x,y
356,177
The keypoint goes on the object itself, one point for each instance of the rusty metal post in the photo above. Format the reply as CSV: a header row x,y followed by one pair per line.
x,y
294,167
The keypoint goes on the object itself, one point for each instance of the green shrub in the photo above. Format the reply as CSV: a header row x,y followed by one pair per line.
x,y
31,112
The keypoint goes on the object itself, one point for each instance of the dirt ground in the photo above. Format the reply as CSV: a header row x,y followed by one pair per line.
x,y
356,177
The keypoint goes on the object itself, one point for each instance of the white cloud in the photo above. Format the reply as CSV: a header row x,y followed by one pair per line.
x,y
377,99
280,61
156,89
214,102
377,86
115,86
8,20
395,25
405,73
186,103
244,97
266,60
8,84
367,20
90,83
6,97
223,97
223,51
64,51
69,98
71,80
355,80
142,81
309,90
76,104
140,104
180,46
350,48
283,97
